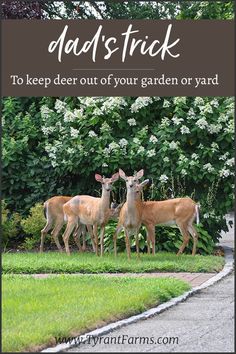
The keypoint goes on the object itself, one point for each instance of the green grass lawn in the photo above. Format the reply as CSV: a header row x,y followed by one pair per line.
x,y
54,262
35,311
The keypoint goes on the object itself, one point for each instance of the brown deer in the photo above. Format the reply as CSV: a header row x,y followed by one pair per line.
x,y
53,211
179,211
88,210
130,218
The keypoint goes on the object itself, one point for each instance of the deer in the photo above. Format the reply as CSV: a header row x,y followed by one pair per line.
x,y
179,211
88,210
53,212
130,218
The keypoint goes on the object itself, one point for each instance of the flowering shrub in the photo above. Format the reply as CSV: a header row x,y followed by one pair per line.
x,y
184,144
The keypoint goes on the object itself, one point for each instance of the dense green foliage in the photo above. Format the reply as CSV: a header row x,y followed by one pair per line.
x,y
54,262
185,145
117,9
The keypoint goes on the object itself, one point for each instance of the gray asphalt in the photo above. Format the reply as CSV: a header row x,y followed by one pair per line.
x,y
203,323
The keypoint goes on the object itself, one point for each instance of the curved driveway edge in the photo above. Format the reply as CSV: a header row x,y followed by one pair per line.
x,y
228,268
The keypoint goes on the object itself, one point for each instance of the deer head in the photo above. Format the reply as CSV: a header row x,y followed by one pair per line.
x,y
131,181
107,182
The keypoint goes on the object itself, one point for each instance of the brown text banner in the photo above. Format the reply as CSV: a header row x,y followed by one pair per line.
x,y
118,58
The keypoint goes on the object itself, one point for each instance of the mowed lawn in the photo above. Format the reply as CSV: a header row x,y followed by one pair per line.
x,y
36,311
54,262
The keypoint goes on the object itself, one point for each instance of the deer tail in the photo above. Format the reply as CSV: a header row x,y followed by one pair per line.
x,y
197,207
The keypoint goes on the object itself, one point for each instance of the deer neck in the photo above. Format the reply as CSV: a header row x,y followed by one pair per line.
x,y
132,204
105,200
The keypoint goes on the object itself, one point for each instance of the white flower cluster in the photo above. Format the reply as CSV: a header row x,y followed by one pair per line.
x,y
45,112
230,128
69,116
165,122
173,145
74,132
194,156
111,147
191,113
163,179
151,153
206,109
230,162
202,123
97,112
131,122
184,130
105,127
153,139
224,172
60,106
78,113
176,120
88,101
123,143
208,167
140,150
47,130
224,157
140,102
182,159
214,146
136,141
111,103
215,103
179,100
199,101
214,128
166,103
92,134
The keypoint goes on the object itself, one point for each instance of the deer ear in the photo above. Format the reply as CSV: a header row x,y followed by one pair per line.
x,y
122,174
144,183
98,177
139,174
115,177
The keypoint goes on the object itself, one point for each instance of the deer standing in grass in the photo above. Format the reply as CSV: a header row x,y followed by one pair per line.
x,y
85,209
130,218
179,211
53,211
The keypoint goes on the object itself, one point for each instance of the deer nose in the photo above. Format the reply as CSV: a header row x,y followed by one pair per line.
x,y
131,185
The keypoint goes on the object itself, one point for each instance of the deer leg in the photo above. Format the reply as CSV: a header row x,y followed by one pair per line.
x,y
127,243
76,236
44,232
69,229
55,233
118,229
148,242
137,242
90,230
102,240
151,237
184,231
83,238
95,233
194,235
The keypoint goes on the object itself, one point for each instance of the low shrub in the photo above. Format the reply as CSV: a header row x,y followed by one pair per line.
x,y
167,239
32,226
10,226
